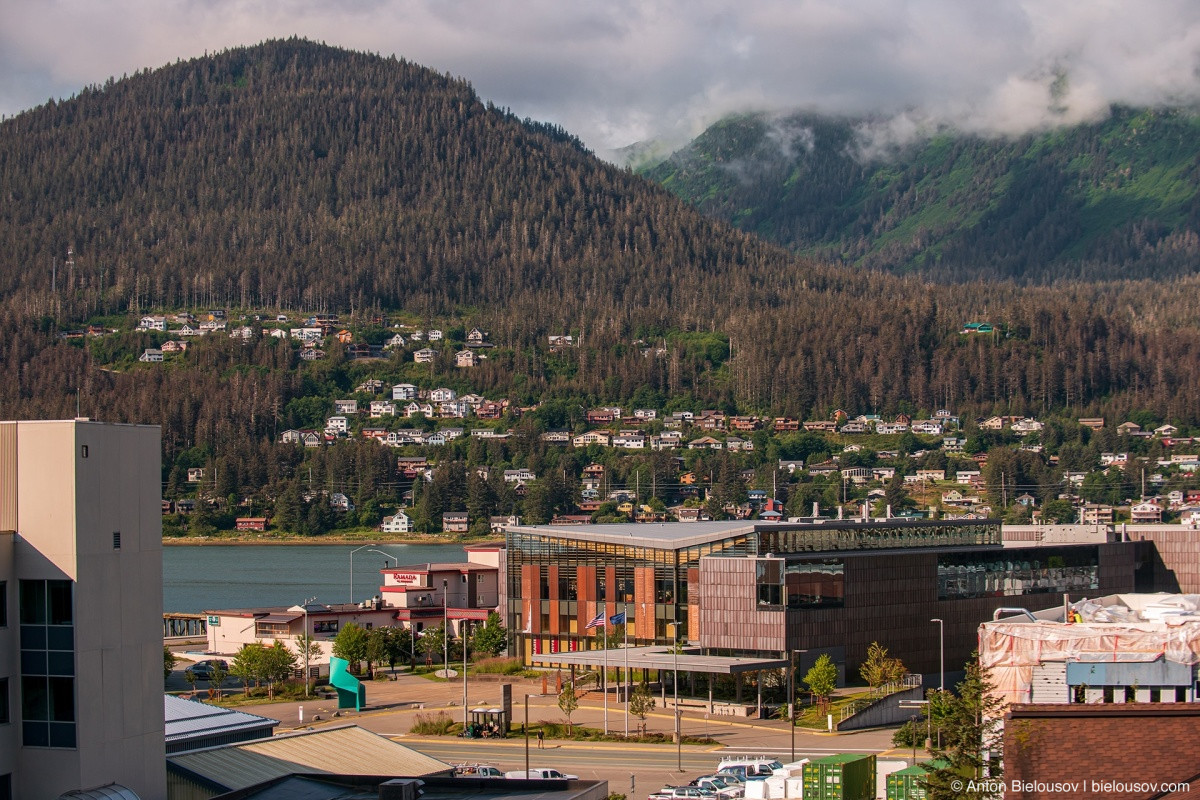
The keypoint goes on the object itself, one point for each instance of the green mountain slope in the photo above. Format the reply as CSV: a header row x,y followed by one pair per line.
x,y
1110,200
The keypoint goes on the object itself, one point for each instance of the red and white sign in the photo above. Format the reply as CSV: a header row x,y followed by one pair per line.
x,y
407,578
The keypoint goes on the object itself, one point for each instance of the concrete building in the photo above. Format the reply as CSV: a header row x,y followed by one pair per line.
x,y
81,571
761,588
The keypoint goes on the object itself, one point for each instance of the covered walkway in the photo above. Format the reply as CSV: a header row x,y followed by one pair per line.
x,y
663,659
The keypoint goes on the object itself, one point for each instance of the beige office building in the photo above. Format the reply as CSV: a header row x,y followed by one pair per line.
x,y
80,617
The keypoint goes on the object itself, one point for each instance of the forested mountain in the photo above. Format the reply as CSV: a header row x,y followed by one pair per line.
x,y
1108,200
301,177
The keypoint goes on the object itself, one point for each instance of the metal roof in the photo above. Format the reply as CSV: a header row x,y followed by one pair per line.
x,y
342,750
662,535
113,791
280,617
661,658
190,718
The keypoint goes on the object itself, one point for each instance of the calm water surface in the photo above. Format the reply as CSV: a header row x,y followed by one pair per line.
x,y
206,577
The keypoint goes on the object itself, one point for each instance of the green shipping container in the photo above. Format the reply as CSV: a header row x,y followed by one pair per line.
x,y
907,784
850,776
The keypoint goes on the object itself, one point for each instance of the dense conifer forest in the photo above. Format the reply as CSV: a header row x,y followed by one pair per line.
x,y
298,178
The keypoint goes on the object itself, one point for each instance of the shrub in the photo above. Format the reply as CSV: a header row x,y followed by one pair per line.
x,y
499,666
438,724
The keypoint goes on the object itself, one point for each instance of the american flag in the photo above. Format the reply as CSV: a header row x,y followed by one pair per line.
x,y
597,621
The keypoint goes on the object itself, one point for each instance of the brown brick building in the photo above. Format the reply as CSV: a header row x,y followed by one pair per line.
x,y
1130,750
758,589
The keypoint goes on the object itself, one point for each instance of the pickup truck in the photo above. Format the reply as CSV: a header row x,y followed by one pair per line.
x,y
683,793
542,774
726,790
477,771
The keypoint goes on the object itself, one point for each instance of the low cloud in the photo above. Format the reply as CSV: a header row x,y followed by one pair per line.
x,y
633,70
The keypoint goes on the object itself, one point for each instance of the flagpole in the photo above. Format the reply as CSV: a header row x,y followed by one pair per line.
x,y
625,612
604,634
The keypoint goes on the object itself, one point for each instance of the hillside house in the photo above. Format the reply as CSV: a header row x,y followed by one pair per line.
x,y
425,355
397,523
195,474
152,324
603,438
345,406
404,391
466,358
382,408
151,355
455,522
340,502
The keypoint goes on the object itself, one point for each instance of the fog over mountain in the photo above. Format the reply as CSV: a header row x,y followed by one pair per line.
x,y
628,71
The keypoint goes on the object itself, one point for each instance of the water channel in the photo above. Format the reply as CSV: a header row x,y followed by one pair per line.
x,y
201,578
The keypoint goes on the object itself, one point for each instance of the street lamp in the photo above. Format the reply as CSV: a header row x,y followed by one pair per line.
x,y
675,691
352,552
386,557
463,633
446,628
307,643
941,652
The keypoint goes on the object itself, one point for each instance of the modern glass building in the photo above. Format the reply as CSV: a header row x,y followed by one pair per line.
x,y
760,588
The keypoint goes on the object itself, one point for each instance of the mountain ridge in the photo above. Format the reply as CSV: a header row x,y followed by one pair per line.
x,y
1109,200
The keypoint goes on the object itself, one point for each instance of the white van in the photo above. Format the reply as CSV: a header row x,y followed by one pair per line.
x,y
542,774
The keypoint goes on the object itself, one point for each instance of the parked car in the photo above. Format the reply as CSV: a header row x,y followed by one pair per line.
x,y
683,793
542,774
203,670
725,789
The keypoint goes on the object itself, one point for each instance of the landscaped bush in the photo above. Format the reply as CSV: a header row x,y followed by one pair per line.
x,y
499,666
438,724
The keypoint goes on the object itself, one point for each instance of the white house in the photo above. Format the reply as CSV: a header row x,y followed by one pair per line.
x,y
425,355
345,406
152,324
382,408
397,523
442,395
337,424
404,391
151,355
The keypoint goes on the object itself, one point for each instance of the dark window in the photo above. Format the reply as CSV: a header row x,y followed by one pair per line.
x,y
116,540
769,583
815,584
3,604
4,718
6,787
83,451
47,639
1018,572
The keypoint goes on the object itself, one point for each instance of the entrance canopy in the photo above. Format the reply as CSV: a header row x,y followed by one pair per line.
x,y
661,658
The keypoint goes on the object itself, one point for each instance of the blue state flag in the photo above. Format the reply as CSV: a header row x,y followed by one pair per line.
x,y
617,619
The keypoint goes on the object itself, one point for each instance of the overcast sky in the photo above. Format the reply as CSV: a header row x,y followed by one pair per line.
x,y
620,71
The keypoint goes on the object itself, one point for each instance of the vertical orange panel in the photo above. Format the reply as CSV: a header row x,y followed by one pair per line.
x,y
555,611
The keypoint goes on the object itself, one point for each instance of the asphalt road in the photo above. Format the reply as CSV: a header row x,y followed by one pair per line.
x,y
644,767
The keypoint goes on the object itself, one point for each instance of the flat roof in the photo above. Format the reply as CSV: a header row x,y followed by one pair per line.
x,y
441,566
677,535
661,658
